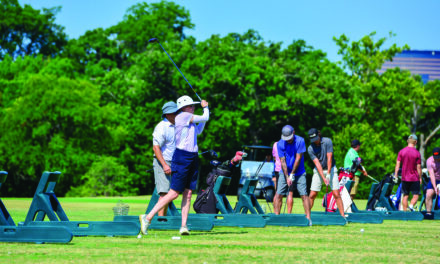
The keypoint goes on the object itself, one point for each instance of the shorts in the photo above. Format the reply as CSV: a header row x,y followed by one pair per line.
x,y
429,186
413,187
317,180
355,186
185,169
161,180
300,183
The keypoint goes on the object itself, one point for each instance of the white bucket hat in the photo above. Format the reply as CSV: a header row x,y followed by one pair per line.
x,y
185,101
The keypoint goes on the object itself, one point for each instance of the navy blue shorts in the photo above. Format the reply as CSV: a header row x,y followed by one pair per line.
x,y
429,186
413,187
185,169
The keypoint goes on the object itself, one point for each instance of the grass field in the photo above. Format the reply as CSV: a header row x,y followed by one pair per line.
x,y
390,242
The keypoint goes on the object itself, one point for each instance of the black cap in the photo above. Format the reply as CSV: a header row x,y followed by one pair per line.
x,y
313,134
436,153
355,143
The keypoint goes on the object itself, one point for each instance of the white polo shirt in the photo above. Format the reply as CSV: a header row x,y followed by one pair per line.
x,y
163,136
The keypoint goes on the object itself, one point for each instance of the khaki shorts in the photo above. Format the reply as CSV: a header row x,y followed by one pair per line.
x,y
317,180
161,180
355,186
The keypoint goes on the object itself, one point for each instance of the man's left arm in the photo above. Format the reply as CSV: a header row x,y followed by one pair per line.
x,y
297,161
419,171
329,162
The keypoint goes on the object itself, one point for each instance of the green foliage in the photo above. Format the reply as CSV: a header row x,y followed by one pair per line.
x,y
90,110
106,177
26,31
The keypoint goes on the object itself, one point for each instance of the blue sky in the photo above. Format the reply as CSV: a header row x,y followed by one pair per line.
x,y
415,23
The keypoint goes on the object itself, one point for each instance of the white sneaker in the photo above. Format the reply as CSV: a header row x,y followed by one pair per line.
x,y
144,223
310,222
184,231
411,208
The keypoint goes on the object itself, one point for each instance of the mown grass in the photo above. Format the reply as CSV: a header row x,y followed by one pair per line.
x,y
390,242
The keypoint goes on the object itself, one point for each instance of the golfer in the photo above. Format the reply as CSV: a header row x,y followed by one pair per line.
x,y
410,159
291,150
321,153
352,154
163,148
433,166
184,164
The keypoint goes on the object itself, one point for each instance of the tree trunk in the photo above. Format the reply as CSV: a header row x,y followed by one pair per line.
x,y
424,143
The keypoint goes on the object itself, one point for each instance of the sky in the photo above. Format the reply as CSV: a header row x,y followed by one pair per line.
x,y
415,23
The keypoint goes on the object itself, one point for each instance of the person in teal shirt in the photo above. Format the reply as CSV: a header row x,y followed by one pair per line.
x,y
348,162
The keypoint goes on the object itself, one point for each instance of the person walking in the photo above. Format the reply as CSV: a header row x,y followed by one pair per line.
x,y
184,164
410,160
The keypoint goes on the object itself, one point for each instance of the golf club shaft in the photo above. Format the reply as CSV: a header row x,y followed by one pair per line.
x,y
179,71
372,178
325,199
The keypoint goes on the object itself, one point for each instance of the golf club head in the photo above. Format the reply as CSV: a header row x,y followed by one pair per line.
x,y
153,40
213,154
215,163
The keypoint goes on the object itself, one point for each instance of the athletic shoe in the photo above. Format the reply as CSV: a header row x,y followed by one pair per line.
x,y
310,222
411,208
184,231
144,223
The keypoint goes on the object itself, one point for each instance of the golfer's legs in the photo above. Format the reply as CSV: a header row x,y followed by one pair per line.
x,y
428,200
170,196
186,203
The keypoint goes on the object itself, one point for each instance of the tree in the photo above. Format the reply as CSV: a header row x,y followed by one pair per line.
x,y
55,124
26,31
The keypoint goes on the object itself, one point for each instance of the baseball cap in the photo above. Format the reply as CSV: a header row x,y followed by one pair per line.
x,y
413,136
355,143
287,133
313,134
436,153
169,108
184,101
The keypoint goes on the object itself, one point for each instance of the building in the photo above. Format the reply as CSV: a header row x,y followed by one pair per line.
x,y
424,63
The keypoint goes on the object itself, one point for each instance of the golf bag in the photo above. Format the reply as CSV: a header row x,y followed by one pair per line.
x,y
344,174
205,202
376,195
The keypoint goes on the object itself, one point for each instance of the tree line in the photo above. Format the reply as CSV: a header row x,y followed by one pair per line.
x,y
87,107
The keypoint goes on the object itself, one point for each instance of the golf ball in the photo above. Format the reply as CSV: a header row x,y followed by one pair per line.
x,y
139,236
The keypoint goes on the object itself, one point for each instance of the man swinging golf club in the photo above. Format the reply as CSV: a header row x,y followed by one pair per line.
x,y
184,165
321,153
291,149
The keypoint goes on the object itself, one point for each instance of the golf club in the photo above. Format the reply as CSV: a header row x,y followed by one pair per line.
x,y
154,40
263,190
372,178
325,198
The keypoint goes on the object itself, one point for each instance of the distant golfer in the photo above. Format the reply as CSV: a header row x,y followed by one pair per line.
x,y
163,147
291,149
352,154
410,159
321,153
433,166
184,164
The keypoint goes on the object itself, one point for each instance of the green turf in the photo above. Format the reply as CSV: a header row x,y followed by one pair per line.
x,y
390,242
